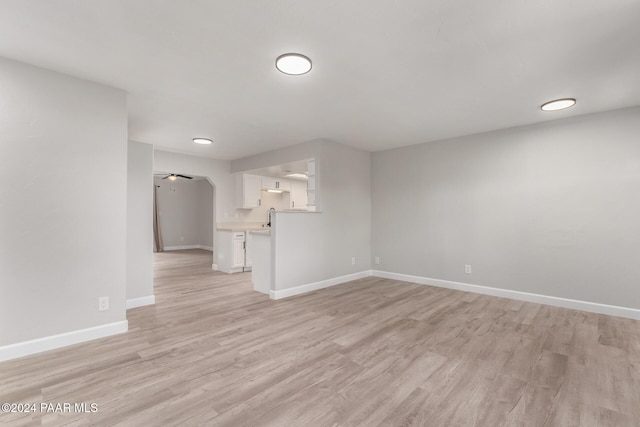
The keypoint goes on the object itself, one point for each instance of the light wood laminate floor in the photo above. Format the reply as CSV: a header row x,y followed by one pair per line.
x,y
369,352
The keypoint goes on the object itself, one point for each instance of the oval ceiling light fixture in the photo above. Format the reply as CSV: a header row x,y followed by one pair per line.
x,y
558,104
202,141
293,64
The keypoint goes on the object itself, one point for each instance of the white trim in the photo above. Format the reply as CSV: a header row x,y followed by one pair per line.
x,y
284,293
214,267
141,302
593,307
25,348
180,248
232,270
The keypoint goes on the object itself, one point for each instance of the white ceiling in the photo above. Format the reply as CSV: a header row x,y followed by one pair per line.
x,y
385,73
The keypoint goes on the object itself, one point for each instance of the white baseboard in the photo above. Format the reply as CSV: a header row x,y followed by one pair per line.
x,y
25,348
284,293
181,248
231,270
141,302
593,307
214,267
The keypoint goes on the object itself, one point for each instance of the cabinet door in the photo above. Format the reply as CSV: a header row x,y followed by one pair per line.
x,y
251,191
238,253
298,195
268,183
283,184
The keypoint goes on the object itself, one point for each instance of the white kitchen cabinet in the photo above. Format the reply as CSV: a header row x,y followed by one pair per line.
x,y
298,196
269,183
248,191
238,251
231,251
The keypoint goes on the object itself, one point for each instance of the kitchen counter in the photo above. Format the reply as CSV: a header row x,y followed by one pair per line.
x,y
262,231
239,226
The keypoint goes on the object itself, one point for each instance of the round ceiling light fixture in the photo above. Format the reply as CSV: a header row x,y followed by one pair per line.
x,y
202,141
293,64
558,104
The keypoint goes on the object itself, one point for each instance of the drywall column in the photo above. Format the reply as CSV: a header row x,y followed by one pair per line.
x,y
139,225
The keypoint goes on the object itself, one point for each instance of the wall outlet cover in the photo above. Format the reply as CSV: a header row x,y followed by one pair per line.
x,y
103,303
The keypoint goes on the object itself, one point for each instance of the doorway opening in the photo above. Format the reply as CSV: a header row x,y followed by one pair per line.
x,y
183,212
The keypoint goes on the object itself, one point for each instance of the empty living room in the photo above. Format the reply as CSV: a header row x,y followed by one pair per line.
x,y
304,213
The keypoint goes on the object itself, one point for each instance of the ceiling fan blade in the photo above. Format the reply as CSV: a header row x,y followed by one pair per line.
x,y
184,176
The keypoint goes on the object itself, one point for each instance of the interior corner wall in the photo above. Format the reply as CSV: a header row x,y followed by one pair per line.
x,y
549,209
62,204
139,220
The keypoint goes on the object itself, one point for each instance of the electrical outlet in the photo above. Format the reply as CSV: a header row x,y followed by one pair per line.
x,y
103,303
377,260
467,269
353,260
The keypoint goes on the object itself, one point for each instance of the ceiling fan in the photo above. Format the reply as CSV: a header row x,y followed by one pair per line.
x,y
174,176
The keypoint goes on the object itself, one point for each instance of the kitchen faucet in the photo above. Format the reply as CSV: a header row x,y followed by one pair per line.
x,y
269,223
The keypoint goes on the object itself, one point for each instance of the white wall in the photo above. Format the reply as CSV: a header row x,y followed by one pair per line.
x,y
261,213
139,220
549,209
314,247
185,208
63,202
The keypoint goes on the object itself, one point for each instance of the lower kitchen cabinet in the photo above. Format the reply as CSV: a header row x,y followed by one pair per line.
x,y
232,251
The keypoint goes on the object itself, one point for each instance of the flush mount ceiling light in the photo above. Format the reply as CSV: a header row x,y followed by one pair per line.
x,y
293,64
202,141
297,175
558,104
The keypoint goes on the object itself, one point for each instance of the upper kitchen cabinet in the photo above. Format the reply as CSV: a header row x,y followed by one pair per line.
x,y
269,183
298,196
294,185
248,191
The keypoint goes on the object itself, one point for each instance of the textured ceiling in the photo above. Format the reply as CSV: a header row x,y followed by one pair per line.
x,y
385,73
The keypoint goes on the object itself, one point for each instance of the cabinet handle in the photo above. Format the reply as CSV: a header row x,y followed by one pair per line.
x,y
293,204
277,184
259,202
